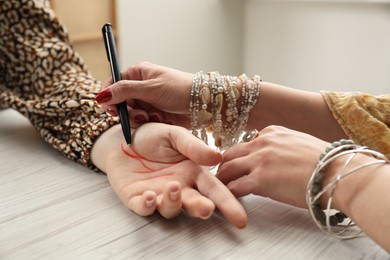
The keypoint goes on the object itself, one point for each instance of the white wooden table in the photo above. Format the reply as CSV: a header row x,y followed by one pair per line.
x,y
53,208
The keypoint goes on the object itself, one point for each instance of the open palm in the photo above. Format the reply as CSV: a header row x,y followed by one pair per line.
x,y
162,170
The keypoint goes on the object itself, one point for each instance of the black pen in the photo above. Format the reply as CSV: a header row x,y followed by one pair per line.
x,y
109,43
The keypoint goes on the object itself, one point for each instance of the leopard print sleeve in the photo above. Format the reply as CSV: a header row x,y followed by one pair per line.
x,y
43,78
364,118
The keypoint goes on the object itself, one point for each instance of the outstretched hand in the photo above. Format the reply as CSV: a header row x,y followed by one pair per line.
x,y
162,171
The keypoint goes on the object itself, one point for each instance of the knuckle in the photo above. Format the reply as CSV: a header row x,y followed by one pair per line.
x,y
120,88
143,64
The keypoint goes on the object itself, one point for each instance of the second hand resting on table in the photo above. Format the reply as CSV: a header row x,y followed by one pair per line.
x,y
160,171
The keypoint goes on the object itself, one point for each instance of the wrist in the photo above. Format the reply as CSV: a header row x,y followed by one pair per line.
x,y
221,105
349,190
344,179
108,141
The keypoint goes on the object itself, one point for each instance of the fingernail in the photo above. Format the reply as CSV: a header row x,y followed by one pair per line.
x,y
154,118
174,195
103,96
206,214
140,119
149,203
112,112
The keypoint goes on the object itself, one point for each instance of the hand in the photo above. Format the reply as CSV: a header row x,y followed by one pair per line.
x,y
153,93
277,164
161,171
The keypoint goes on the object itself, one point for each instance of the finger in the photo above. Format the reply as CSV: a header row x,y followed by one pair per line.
x,y
143,205
113,112
236,151
130,90
137,188
242,186
154,115
169,118
186,143
224,200
169,203
136,72
138,117
196,205
175,119
233,170
110,109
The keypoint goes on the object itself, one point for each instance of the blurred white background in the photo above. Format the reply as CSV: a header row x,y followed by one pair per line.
x,y
310,45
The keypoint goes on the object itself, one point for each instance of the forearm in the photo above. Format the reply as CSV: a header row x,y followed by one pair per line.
x,y
370,209
46,80
295,109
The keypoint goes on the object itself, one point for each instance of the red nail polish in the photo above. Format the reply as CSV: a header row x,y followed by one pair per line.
x,y
112,112
140,119
103,96
154,118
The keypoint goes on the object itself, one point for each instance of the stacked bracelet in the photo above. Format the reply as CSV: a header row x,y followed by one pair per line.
x,y
210,93
336,225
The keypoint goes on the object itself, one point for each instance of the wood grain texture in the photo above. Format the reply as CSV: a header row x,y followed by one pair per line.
x,y
53,208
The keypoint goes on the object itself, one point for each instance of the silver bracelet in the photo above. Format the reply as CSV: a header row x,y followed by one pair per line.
x,y
336,225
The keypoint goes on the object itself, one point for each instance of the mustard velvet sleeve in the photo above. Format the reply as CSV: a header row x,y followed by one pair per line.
x,y
364,118
43,78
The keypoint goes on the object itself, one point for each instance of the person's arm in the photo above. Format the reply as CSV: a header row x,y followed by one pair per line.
x,y
279,162
43,78
363,196
295,109
364,118
167,91
154,89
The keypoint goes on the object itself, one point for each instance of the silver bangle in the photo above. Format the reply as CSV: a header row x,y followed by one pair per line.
x,y
337,225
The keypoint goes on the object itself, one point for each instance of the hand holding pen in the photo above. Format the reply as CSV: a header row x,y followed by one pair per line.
x,y
109,42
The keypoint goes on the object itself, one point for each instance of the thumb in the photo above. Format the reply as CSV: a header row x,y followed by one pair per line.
x,y
194,149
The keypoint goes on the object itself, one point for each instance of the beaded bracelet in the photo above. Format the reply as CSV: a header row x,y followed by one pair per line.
x,y
194,102
208,94
334,225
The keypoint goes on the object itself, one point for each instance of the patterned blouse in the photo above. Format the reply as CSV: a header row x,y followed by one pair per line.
x,y
43,78
364,118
